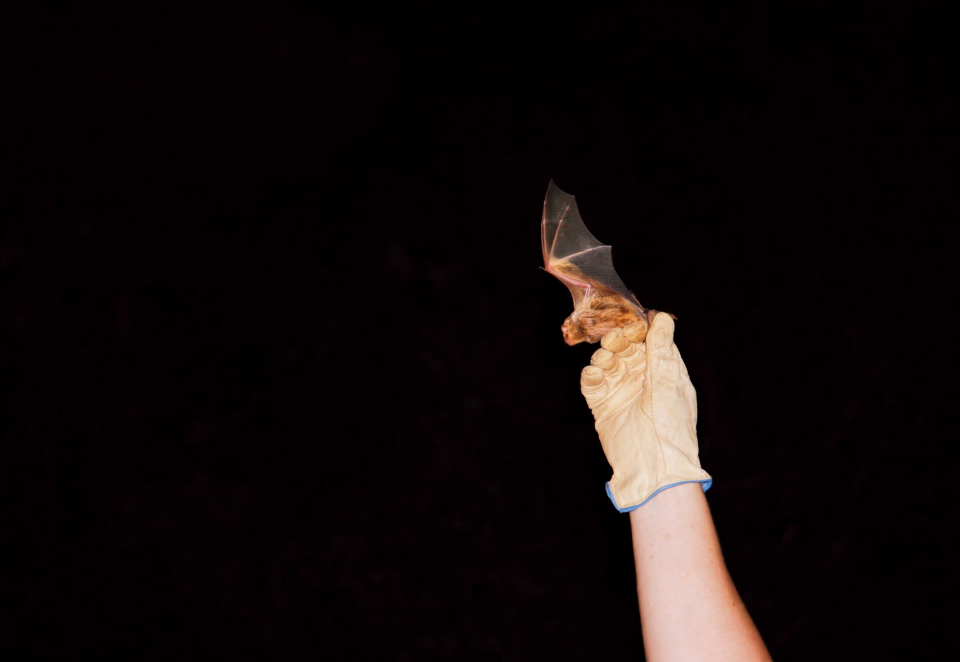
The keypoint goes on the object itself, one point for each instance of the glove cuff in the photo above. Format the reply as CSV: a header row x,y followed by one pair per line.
x,y
706,483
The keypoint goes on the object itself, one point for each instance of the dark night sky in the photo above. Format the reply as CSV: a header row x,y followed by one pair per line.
x,y
281,377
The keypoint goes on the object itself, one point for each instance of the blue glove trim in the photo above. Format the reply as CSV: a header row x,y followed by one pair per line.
x,y
706,486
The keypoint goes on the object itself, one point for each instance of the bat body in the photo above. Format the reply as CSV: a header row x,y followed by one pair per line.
x,y
601,302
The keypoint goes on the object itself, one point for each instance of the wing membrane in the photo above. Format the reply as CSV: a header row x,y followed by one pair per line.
x,y
572,253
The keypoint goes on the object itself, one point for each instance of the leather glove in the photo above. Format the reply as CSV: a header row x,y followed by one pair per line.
x,y
646,412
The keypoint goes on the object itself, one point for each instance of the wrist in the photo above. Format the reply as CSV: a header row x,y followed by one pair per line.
x,y
666,504
627,505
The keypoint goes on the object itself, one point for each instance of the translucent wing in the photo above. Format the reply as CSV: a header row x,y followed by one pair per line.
x,y
573,254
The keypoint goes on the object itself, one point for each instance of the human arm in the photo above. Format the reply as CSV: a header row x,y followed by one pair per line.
x,y
646,411
689,607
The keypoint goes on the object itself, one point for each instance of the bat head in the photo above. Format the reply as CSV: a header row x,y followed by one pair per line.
x,y
597,315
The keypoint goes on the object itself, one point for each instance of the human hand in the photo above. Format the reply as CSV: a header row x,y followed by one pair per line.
x,y
646,412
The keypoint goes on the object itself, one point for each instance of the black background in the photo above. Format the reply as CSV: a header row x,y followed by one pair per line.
x,y
281,376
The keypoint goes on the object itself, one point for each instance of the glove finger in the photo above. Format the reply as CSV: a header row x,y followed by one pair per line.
x,y
615,341
658,344
636,332
630,353
593,384
661,331
605,359
591,376
666,373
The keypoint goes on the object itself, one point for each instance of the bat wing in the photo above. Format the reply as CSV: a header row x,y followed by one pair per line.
x,y
572,253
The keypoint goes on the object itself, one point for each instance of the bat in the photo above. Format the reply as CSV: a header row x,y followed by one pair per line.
x,y
601,302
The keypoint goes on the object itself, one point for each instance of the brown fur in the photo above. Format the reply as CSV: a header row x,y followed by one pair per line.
x,y
597,316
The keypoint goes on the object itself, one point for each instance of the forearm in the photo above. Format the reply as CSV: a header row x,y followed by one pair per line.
x,y
689,607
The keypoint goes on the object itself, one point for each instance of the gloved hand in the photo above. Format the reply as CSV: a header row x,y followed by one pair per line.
x,y
646,412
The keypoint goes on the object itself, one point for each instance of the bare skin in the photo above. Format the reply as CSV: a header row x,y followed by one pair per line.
x,y
689,607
